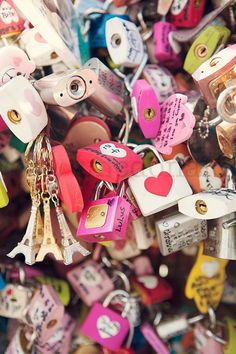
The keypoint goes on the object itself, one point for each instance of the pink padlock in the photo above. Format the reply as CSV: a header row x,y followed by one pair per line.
x,y
90,281
70,192
146,108
163,51
142,266
135,212
106,326
205,344
104,220
45,312
186,13
109,161
60,342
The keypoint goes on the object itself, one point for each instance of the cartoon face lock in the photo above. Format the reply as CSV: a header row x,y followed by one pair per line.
x,y
14,62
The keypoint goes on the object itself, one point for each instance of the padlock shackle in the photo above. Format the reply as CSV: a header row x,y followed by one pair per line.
x,y
145,147
99,188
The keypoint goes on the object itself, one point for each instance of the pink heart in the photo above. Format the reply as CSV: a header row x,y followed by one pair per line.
x,y
36,105
17,61
160,185
39,38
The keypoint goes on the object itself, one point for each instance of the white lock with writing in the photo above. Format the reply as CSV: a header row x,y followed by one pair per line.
x,y
124,42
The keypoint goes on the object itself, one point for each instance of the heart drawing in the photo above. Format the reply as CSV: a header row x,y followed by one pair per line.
x,y
106,327
160,185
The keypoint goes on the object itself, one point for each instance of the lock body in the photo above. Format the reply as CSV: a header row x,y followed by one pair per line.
x,y
104,220
204,46
221,241
147,112
163,51
109,161
215,74
186,13
108,95
124,42
144,232
179,231
159,187
105,327
90,281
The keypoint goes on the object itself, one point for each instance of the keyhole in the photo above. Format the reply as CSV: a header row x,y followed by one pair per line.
x,y
97,167
201,207
201,50
215,61
54,55
14,116
99,237
115,40
149,113
51,323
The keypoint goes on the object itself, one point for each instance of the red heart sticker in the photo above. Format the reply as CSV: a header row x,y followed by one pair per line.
x,y
160,185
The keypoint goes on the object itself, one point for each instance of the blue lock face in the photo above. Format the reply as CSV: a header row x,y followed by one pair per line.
x,y
97,38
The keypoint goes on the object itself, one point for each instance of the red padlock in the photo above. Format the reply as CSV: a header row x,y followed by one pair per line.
x,y
109,161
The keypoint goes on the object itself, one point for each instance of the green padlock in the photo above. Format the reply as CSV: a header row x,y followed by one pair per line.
x,y
4,199
60,286
230,347
204,46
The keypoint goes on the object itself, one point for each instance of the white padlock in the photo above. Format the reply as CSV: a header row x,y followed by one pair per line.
x,y
124,42
22,109
160,186
211,204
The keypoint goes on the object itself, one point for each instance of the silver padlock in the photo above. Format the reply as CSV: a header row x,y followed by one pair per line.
x,y
221,241
178,231
109,90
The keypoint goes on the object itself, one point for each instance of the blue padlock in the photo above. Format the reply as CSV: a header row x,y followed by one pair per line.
x,y
97,38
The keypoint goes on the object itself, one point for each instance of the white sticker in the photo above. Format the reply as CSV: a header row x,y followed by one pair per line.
x,y
149,281
90,276
107,328
110,149
208,180
178,6
210,268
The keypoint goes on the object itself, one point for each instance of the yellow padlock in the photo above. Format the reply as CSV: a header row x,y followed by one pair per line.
x,y
4,199
204,46
205,283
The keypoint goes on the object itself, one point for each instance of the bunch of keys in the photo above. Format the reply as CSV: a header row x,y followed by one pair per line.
x,y
39,239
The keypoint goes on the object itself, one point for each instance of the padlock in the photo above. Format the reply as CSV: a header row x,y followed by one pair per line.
x,y
179,153
226,136
186,13
176,325
104,219
124,42
161,80
109,161
105,326
163,51
14,62
37,48
152,289
160,186
230,325
216,74
18,344
97,35
225,104
204,46
109,90
4,199
144,232
221,241
60,342
135,212
45,312
11,23
69,189
22,109
153,339
202,178
14,299
178,231
208,205
67,88
146,108
90,281
177,123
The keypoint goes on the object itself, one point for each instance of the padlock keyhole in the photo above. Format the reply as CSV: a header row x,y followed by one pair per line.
x,y
116,40
201,207
14,116
97,166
